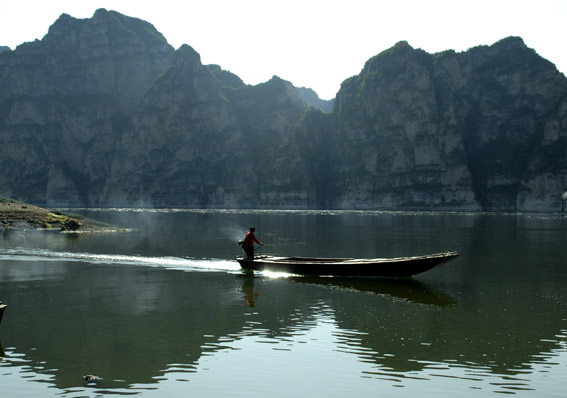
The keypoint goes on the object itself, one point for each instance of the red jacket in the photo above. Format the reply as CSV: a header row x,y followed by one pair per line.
x,y
249,239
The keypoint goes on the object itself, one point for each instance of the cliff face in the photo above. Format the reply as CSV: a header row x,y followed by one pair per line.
x,y
62,100
390,118
103,112
510,98
194,141
452,130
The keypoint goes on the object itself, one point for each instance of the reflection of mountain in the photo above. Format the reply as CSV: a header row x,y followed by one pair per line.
x,y
133,323
499,332
490,331
118,322
126,323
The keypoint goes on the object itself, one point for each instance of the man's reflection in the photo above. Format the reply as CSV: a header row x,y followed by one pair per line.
x,y
248,289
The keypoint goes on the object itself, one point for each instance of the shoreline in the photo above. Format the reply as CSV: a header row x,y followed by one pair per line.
x,y
18,216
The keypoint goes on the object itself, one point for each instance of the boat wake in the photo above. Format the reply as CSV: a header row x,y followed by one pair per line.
x,y
177,263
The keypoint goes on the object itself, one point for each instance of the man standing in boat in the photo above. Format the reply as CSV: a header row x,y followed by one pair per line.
x,y
248,244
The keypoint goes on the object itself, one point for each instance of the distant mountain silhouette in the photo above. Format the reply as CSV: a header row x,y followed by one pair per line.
x,y
104,112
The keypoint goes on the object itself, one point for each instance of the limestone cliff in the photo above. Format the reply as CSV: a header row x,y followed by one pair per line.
x,y
195,140
103,112
403,152
63,100
480,130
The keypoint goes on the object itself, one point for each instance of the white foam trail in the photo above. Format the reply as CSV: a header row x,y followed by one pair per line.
x,y
185,264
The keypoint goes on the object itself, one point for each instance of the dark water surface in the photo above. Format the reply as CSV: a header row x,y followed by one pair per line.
x,y
164,311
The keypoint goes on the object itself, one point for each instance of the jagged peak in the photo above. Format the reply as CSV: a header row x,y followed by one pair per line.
x,y
400,51
510,42
274,90
102,15
143,29
62,24
277,83
64,18
185,55
274,80
186,49
101,12
224,76
507,43
117,25
402,44
398,48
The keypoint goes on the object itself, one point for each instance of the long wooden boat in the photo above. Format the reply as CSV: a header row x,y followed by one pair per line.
x,y
399,267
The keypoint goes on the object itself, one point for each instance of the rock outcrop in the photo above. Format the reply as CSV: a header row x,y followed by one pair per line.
x,y
454,130
104,112
65,99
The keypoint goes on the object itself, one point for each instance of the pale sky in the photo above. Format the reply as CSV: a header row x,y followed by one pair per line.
x,y
312,43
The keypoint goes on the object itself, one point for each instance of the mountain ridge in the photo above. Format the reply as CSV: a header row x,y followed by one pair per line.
x,y
104,112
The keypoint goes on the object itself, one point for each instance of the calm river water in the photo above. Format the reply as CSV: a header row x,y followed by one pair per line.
x,y
164,311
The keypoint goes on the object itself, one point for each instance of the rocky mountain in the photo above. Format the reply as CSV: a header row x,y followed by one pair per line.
x,y
104,112
310,97
454,130
65,99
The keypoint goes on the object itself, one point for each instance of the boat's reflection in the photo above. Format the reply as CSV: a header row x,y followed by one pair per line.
x,y
406,289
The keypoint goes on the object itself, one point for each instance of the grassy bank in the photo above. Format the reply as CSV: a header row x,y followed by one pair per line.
x,y
18,215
